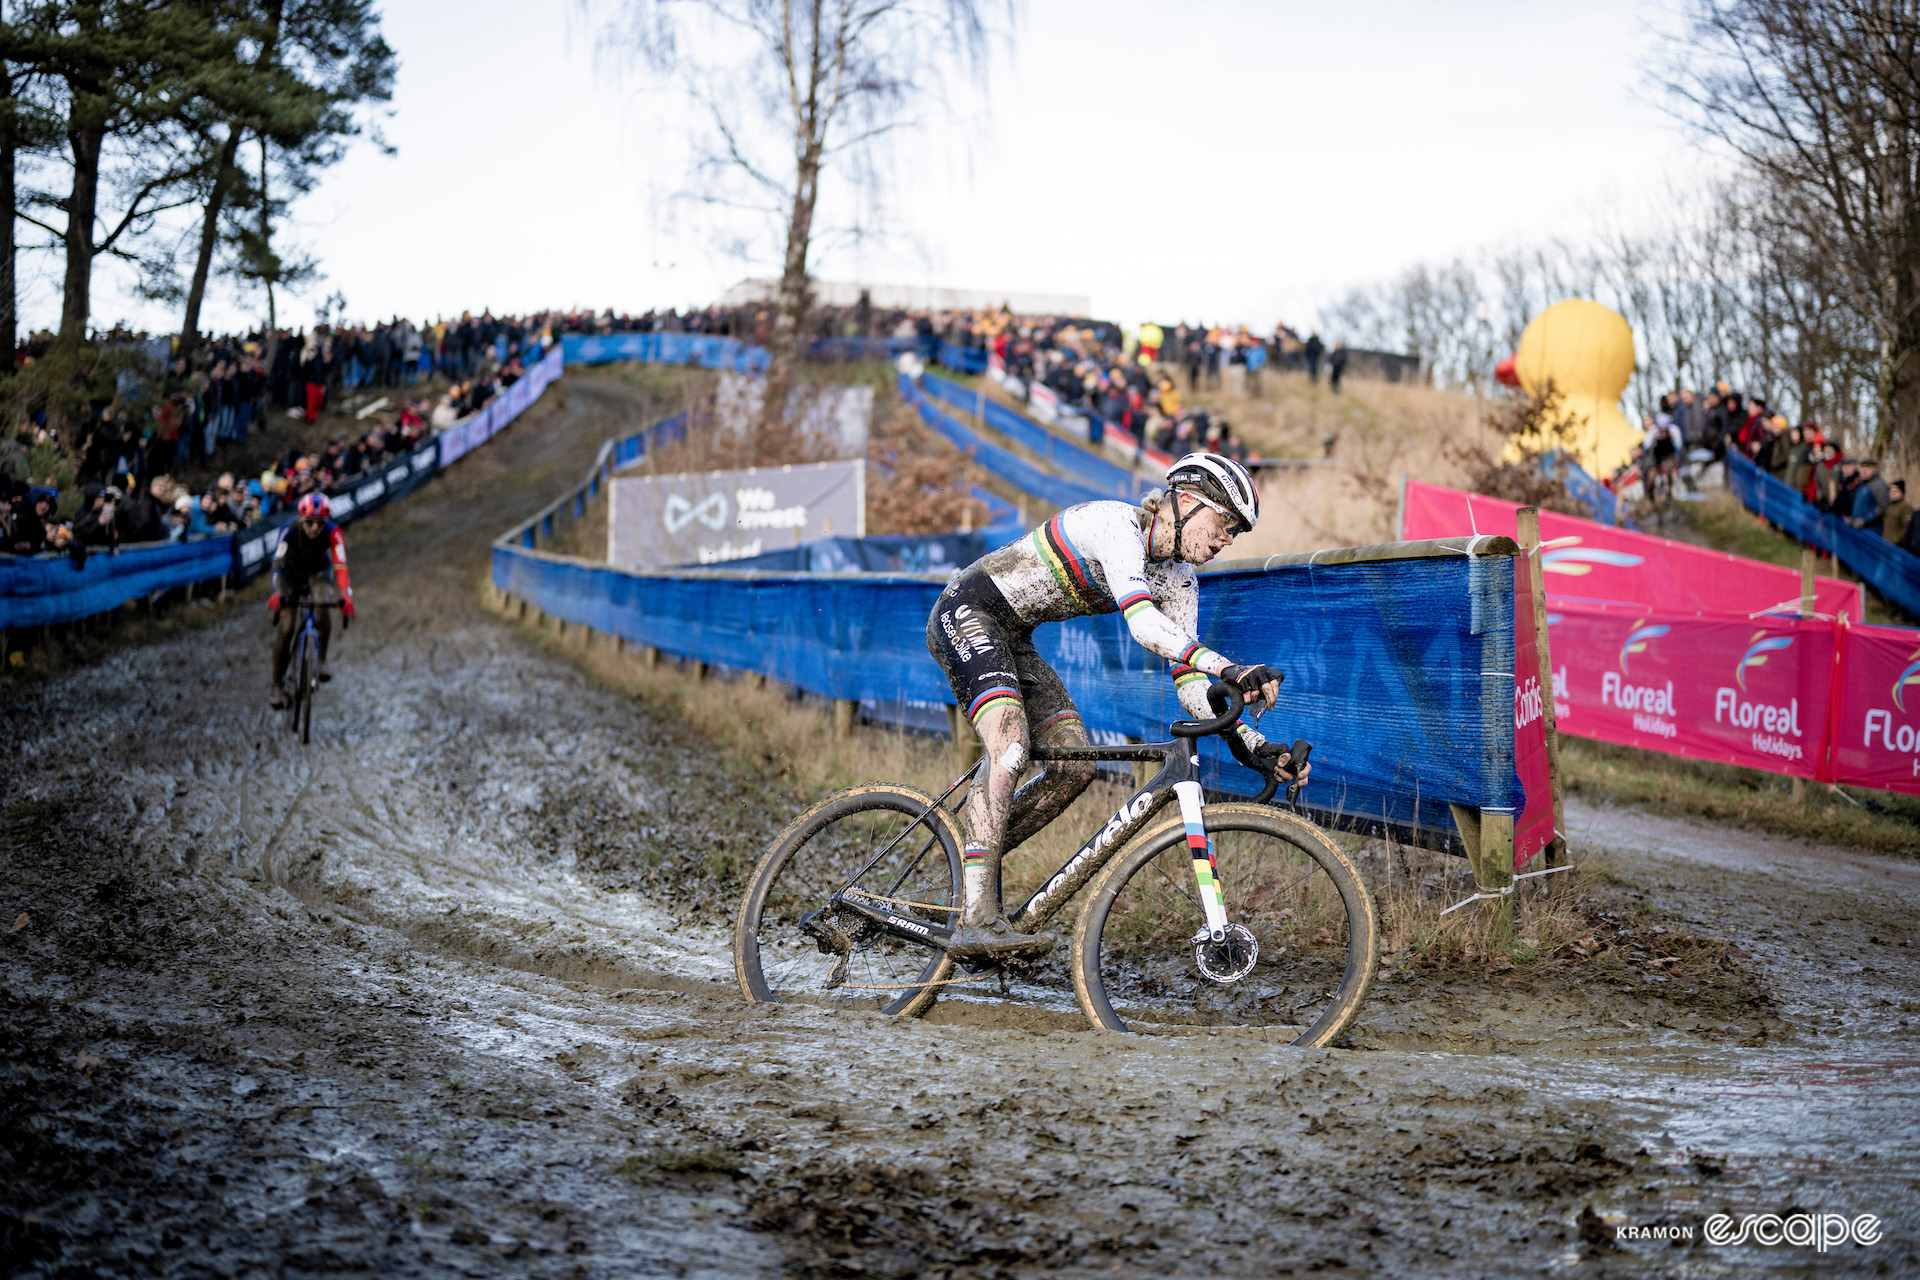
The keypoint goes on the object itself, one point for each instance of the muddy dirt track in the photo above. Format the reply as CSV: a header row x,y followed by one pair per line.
x,y
431,997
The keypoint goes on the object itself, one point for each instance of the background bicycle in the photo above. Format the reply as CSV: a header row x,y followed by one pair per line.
x,y
302,679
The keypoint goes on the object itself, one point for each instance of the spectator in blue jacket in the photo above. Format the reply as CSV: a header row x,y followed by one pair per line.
x,y
1869,499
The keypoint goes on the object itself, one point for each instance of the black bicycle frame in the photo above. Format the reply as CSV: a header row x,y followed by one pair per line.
x,y
1181,763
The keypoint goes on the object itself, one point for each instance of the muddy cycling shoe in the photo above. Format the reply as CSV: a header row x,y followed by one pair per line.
x,y
997,940
277,700
325,675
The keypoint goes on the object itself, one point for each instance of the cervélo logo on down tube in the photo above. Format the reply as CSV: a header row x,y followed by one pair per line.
x,y
1651,704
1775,728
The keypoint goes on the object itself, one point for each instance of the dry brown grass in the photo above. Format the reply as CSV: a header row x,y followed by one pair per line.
x,y
1382,431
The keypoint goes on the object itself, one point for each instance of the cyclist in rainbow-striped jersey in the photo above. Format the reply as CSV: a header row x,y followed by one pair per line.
x,y
1097,557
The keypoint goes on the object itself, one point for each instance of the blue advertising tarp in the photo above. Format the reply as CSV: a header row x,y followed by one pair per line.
x,y
1893,571
1061,455
998,459
699,349
1399,671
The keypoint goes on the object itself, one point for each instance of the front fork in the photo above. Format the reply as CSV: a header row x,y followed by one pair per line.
x,y
1200,846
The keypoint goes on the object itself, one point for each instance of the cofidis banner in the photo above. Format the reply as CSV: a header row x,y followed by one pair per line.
x,y
1533,828
1752,692
1588,561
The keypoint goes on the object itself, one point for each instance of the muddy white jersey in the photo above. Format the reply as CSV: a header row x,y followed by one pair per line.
x,y
1092,558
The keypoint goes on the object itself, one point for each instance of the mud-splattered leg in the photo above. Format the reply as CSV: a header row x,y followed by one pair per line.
x,y
1003,734
1047,795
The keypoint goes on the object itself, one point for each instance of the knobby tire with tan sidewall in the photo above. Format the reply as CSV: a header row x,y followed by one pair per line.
x,y
1232,826
811,858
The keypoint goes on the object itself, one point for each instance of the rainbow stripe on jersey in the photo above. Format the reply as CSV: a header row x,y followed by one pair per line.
x,y
1069,568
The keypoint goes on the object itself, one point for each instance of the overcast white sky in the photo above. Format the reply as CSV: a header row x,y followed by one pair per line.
x,y
1207,160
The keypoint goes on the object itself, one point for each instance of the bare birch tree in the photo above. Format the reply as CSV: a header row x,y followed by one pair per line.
x,y
794,94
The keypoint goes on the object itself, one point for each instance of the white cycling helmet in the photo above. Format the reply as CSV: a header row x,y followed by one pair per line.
x,y
1220,480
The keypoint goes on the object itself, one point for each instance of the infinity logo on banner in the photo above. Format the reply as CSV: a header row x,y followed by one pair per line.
x,y
711,512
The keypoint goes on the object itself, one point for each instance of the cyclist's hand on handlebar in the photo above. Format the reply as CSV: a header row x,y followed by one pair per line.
x,y
1283,761
346,610
1257,681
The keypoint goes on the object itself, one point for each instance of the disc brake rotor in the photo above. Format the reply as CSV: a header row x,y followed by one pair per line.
x,y
1229,959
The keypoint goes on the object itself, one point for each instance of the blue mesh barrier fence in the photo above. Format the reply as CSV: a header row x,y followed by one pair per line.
x,y
1062,455
1893,571
1399,670
884,553
704,350
1602,502
963,359
998,459
46,589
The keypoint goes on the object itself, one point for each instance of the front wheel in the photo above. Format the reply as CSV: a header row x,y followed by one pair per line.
x,y
1301,946
790,944
309,683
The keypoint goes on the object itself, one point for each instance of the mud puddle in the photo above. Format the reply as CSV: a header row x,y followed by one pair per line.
x,y
448,992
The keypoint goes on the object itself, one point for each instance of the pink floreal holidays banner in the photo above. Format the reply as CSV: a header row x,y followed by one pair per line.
x,y
1711,687
1534,828
1876,719
1674,648
1593,561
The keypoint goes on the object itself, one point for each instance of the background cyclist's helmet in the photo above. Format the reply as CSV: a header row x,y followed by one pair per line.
x,y
315,504
1221,481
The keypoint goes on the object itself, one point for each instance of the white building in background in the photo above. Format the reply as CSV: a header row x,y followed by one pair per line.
x,y
916,297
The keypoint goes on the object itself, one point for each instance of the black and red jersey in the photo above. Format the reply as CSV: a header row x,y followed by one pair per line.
x,y
299,558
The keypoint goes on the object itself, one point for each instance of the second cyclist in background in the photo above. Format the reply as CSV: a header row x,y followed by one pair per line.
x,y
312,547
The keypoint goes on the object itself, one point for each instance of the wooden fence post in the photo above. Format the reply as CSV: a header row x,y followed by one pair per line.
x,y
649,656
843,713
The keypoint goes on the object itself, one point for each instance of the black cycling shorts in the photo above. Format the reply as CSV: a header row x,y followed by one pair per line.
x,y
989,656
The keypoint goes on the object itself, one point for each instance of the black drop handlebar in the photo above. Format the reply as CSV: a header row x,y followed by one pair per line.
x,y
1222,692
1218,692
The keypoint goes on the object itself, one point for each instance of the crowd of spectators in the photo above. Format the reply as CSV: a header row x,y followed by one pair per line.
x,y
203,407
1807,457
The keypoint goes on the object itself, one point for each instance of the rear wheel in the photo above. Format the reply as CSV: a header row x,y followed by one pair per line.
x,y
788,946
1298,958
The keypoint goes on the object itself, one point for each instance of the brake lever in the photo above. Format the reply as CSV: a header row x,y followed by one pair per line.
x,y
1302,750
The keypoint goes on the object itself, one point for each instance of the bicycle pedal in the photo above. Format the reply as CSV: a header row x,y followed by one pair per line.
x,y
1022,969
